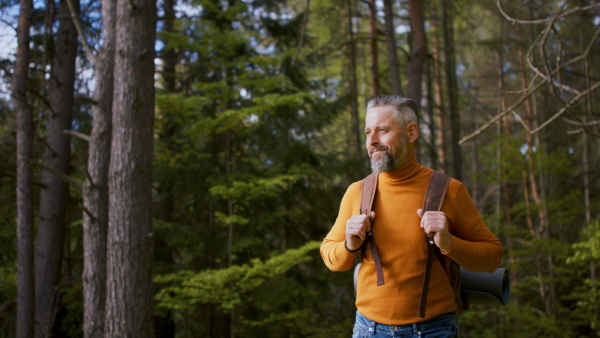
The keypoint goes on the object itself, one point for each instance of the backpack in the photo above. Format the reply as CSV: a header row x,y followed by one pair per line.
x,y
434,196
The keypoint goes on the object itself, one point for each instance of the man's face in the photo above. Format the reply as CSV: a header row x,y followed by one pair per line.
x,y
387,144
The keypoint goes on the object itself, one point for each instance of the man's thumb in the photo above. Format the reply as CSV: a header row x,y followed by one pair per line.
x,y
420,212
372,216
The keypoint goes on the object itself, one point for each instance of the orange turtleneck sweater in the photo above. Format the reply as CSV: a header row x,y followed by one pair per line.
x,y
403,249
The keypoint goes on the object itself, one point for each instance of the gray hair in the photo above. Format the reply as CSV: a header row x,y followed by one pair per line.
x,y
405,109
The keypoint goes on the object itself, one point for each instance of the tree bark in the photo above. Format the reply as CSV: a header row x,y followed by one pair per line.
x,y
418,52
353,87
129,247
24,191
440,132
54,196
390,38
374,50
169,55
448,28
95,188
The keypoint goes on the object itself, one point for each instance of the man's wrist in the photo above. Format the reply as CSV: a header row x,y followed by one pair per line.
x,y
448,247
348,249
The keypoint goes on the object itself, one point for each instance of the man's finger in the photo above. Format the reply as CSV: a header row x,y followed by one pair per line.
x,y
369,222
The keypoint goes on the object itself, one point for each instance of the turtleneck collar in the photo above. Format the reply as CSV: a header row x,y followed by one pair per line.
x,y
406,172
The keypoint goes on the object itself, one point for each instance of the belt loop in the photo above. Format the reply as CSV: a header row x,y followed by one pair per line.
x,y
416,332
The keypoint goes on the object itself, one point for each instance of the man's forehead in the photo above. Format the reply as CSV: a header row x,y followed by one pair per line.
x,y
380,117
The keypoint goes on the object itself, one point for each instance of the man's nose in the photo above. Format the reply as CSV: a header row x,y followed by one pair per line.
x,y
373,139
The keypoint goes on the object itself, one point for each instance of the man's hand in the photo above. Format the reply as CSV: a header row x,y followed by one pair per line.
x,y
357,228
435,224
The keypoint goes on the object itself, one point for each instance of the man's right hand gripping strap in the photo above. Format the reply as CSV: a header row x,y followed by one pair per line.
x,y
369,187
434,196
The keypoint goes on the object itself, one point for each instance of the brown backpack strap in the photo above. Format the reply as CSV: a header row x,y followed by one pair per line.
x,y
434,197
369,186
368,189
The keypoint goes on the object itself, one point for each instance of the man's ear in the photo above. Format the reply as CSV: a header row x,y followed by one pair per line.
x,y
412,132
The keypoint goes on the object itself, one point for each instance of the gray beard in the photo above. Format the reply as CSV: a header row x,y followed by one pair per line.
x,y
383,163
388,163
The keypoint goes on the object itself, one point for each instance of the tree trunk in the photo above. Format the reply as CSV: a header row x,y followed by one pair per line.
x,y
374,51
164,326
95,188
390,38
353,87
418,52
129,247
54,196
169,55
440,132
25,266
448,29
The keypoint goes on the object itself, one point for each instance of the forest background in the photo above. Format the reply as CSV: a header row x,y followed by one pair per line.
x,y
170,168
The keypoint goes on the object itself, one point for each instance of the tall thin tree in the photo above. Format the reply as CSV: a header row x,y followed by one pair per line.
x,y
129,246
95,188
374,49
438,102
418,51
390,38
25,265
451,86
352,81
55,192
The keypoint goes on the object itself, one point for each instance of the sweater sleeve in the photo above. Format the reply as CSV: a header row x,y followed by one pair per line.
x,y
474,246
333,252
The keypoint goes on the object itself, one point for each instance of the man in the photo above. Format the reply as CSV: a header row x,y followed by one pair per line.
x,y
399,227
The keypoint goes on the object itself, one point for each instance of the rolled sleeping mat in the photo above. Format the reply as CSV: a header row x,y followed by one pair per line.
x,y
485,288
480,288
356,270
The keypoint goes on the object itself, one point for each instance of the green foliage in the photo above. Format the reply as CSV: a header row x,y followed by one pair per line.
x,y
586,257
226,287
588,249
8,296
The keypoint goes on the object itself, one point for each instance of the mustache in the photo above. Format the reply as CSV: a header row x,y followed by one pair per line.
x,y
378,148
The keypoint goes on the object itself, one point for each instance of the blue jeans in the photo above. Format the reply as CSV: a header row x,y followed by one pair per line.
x,y
443,326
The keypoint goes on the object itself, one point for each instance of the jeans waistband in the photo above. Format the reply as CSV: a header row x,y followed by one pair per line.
x,y
416,328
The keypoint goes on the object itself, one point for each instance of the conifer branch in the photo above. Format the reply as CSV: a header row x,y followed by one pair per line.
x,y
79,135
66,178
77,23
89,213
303,32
